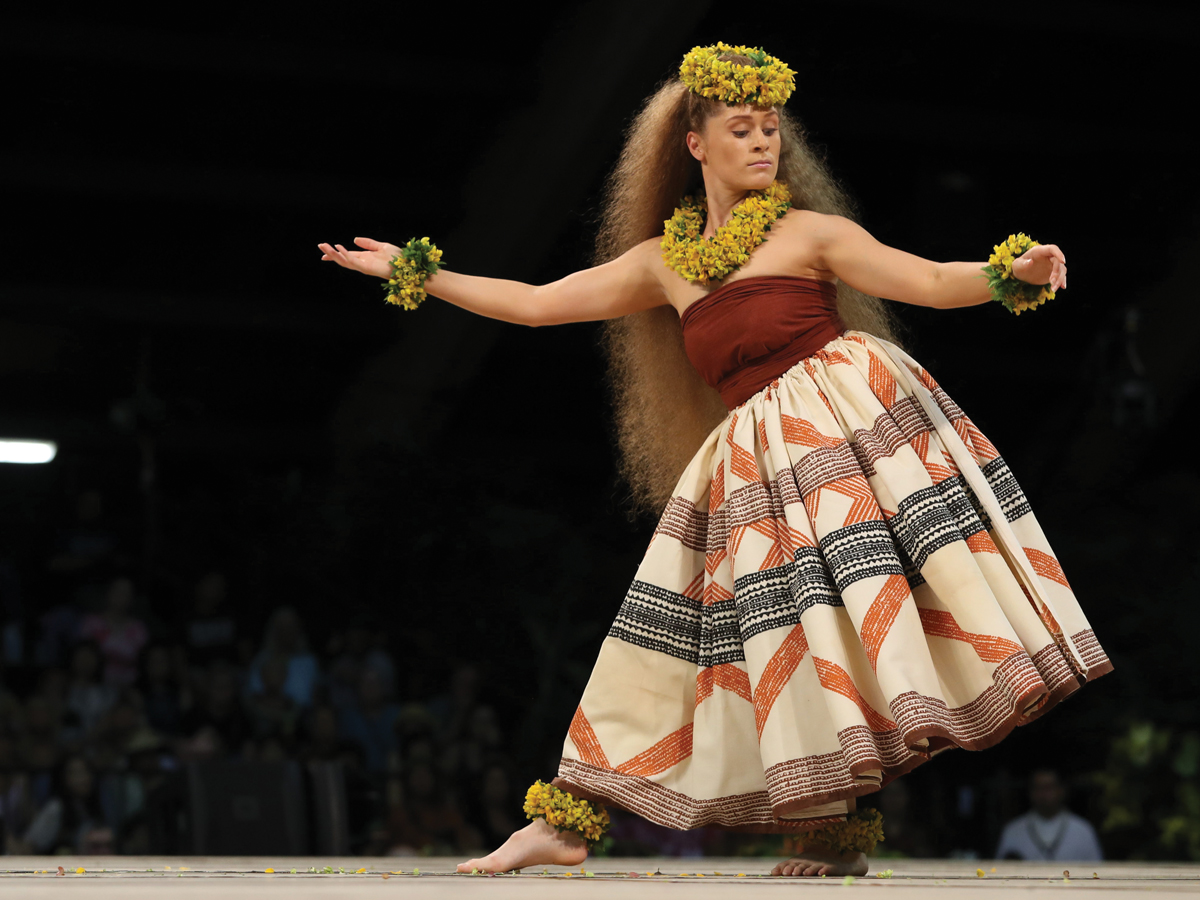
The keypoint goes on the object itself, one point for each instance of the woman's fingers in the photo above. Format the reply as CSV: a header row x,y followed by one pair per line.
x,y
1058,276
337,254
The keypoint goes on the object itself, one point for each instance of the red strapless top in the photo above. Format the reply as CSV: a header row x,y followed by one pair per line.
x,y
747,333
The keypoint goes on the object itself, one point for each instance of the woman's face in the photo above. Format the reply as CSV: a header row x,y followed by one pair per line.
x,y
739,148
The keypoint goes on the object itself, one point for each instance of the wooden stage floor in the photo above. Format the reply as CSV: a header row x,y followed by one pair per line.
x,y
234,878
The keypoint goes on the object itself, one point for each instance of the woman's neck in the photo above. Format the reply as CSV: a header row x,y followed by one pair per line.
x,y
721,201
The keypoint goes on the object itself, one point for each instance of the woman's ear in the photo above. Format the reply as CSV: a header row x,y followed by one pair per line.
x,y
695,145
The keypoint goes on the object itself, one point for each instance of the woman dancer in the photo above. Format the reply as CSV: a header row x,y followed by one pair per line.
x,y
845,579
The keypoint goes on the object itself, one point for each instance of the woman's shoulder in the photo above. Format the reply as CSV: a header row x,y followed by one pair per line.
x,y
810,219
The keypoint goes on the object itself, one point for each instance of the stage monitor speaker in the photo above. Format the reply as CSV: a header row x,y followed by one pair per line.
x,y
248,809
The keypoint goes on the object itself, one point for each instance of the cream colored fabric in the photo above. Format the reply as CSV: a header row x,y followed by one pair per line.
x,y
847,581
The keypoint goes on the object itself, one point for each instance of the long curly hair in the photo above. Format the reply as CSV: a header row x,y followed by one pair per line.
x,y
663,410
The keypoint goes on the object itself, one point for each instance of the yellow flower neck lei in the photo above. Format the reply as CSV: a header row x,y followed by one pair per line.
x,y
710,259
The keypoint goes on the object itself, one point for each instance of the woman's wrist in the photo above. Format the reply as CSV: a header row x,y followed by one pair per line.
x,y
1005,284
415,262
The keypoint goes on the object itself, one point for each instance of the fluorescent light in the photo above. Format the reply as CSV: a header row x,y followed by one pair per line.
x,y
27,451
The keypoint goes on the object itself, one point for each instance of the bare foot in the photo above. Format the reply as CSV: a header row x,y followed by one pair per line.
x,y
817,860
537,844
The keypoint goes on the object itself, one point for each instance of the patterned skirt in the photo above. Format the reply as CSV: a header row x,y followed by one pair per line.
x,y
847,581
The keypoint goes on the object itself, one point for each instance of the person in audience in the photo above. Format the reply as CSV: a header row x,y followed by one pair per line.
x,y
73,819
360,646
16,796
119,634
270,709
163,693
907,831
220,710
12,711
115,733
453,709
1049,831
430,822
284,636
491,805
88,698
38,747
370,722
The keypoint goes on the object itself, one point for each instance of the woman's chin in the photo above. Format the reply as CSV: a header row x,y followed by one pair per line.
x,y
759,179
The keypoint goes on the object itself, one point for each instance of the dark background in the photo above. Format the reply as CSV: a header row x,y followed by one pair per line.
x,y
165,317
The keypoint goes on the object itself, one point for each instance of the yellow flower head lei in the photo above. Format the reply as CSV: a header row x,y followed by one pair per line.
x,y
769,82
565,812
416,261
1010,292
703,260
861,831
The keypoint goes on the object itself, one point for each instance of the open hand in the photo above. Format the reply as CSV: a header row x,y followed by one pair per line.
x,y
374,259
1043,264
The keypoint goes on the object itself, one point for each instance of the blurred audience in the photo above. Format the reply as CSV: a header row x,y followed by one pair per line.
x,y
907,834
88,699
371,721
219,714
1049,831
119,634
359,647
106,696
163,687
73,819
271,710
284,638
210,633
426,819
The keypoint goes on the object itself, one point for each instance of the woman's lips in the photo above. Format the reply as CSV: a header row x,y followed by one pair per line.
x,y
761,164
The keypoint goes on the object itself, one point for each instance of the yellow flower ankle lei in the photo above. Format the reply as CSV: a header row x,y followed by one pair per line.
x,y
1013,294
704,260
416,261
861,831
565,812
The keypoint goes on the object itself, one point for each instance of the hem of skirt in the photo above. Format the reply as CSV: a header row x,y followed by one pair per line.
x,y
1097,662
751,812
1049,681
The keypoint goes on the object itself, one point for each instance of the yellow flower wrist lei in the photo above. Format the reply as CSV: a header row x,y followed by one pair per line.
x,y
1010,292
704,260
565,812
416,261
769,82
861,831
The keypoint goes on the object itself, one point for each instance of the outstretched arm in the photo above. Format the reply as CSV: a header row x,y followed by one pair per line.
x,y
627,284
851,253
